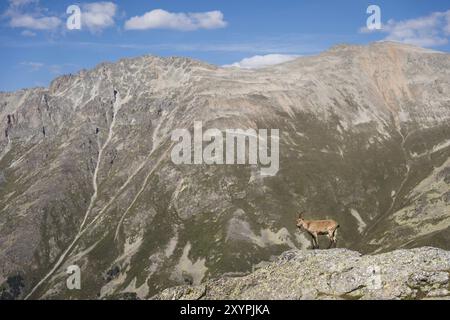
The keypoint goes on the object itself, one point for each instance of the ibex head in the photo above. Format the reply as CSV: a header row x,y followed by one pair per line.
x,y
300,220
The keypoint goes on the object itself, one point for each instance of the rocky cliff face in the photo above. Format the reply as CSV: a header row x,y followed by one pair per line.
x,y
333,274
86,176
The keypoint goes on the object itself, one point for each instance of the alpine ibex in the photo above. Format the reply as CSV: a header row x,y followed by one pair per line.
x,y
319,227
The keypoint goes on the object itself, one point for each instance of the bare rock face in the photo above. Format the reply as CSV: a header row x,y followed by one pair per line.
x,y
333,274
86,176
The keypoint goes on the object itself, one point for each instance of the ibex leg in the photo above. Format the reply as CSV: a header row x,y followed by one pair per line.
x,y
315,242
335,237
331,238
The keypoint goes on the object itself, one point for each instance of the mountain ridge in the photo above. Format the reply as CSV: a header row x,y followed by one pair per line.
x,y
364,140
337,274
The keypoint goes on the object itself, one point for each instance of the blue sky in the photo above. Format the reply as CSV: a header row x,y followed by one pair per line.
x,y
36,46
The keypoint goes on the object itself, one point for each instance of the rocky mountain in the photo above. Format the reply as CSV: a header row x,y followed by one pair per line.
x,y
86,175
334,274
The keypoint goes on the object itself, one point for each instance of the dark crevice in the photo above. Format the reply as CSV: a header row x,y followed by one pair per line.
x,y
115,95
10,120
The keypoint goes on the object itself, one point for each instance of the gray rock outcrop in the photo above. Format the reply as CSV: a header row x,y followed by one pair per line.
x,y
334,274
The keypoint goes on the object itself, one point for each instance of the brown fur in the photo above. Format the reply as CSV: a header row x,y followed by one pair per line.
x,y
315,228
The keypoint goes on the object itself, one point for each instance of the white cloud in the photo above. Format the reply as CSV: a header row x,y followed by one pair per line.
x,y
33,66
28,33
36,23
257,62
33,18
18,3
447,27
97,16
428,31
161,19
55,69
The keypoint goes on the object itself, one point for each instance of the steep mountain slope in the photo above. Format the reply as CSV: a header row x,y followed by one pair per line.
x,y
86,175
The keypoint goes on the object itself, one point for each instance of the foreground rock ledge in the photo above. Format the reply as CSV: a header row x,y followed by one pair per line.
x,y
334,274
